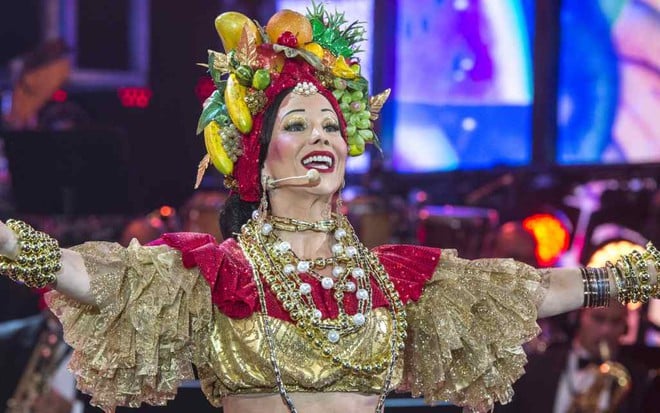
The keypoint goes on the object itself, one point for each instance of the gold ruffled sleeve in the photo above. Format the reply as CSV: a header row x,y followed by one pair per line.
x,y
136,345
466,331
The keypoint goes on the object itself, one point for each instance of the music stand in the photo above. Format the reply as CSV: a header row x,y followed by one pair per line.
x,y
72,173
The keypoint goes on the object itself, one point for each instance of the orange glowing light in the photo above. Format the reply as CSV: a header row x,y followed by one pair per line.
x,y
166,211
551,236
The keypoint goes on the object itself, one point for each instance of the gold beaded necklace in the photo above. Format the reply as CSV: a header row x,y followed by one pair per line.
x,y
272,259
297,225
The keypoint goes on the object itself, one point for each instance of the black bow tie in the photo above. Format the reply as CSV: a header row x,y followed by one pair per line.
x,y
585,362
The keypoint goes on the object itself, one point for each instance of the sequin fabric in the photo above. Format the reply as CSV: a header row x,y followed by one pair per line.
x,y
156,318
137,344
466,331
240,358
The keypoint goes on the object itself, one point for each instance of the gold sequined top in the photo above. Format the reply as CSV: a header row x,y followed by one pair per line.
x,y
155,318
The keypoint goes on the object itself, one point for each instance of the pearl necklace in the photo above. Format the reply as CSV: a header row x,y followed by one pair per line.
x,y
353,272
286,287
348,276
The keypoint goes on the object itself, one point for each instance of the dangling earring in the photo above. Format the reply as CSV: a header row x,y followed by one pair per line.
x,y
327,212
262,211
339,203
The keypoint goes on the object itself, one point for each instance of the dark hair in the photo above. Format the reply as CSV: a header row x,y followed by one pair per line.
x,y
237,212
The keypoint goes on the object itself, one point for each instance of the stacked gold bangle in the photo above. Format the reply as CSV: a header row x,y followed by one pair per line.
x,y
38,260
652,254
630,274
596,287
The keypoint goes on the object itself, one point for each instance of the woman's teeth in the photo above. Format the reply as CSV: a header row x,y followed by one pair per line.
x,y
319,161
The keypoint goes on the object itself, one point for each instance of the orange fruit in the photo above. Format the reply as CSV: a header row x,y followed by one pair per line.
x,y
292,21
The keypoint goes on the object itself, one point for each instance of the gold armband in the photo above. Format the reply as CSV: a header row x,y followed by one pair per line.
x,y
39,257
632,278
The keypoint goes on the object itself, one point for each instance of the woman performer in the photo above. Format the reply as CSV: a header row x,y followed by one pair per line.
x,y
291,312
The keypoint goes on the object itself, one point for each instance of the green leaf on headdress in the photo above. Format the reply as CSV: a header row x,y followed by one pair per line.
x,y
332,31
317,28
341,45
220,87
329,37
213,108
218,66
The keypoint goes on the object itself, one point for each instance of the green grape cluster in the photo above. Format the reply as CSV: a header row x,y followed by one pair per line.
x,y
353,104
231,141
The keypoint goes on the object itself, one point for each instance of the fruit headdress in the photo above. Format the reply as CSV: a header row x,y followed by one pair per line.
x,y
259,63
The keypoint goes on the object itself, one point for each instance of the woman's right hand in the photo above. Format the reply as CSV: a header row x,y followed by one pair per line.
x,y
72,279
8,242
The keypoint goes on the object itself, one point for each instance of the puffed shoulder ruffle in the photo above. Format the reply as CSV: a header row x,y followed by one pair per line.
x,y
467,329
409,267
235,294
137,344
224,267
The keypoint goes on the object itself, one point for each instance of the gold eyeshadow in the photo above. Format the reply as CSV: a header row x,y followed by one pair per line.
x,y
293,121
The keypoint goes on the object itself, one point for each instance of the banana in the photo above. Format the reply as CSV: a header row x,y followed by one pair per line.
x,y
230,25
213,142
236,106
341,69
314,48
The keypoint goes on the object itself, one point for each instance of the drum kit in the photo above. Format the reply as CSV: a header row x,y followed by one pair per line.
x,y
200,213
471,229
379,221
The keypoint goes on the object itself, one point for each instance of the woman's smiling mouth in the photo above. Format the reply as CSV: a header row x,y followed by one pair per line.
x,y
322,161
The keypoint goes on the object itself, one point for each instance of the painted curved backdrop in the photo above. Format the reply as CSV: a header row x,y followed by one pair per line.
x,y
609,83
463,92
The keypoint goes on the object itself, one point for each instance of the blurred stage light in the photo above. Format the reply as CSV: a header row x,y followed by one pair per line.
x,y
166,211
611,251
552,237
612,241
134,97
60,96
607,232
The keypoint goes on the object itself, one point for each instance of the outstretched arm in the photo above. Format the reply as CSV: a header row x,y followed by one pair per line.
x,y
566,289
133,343
72,279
